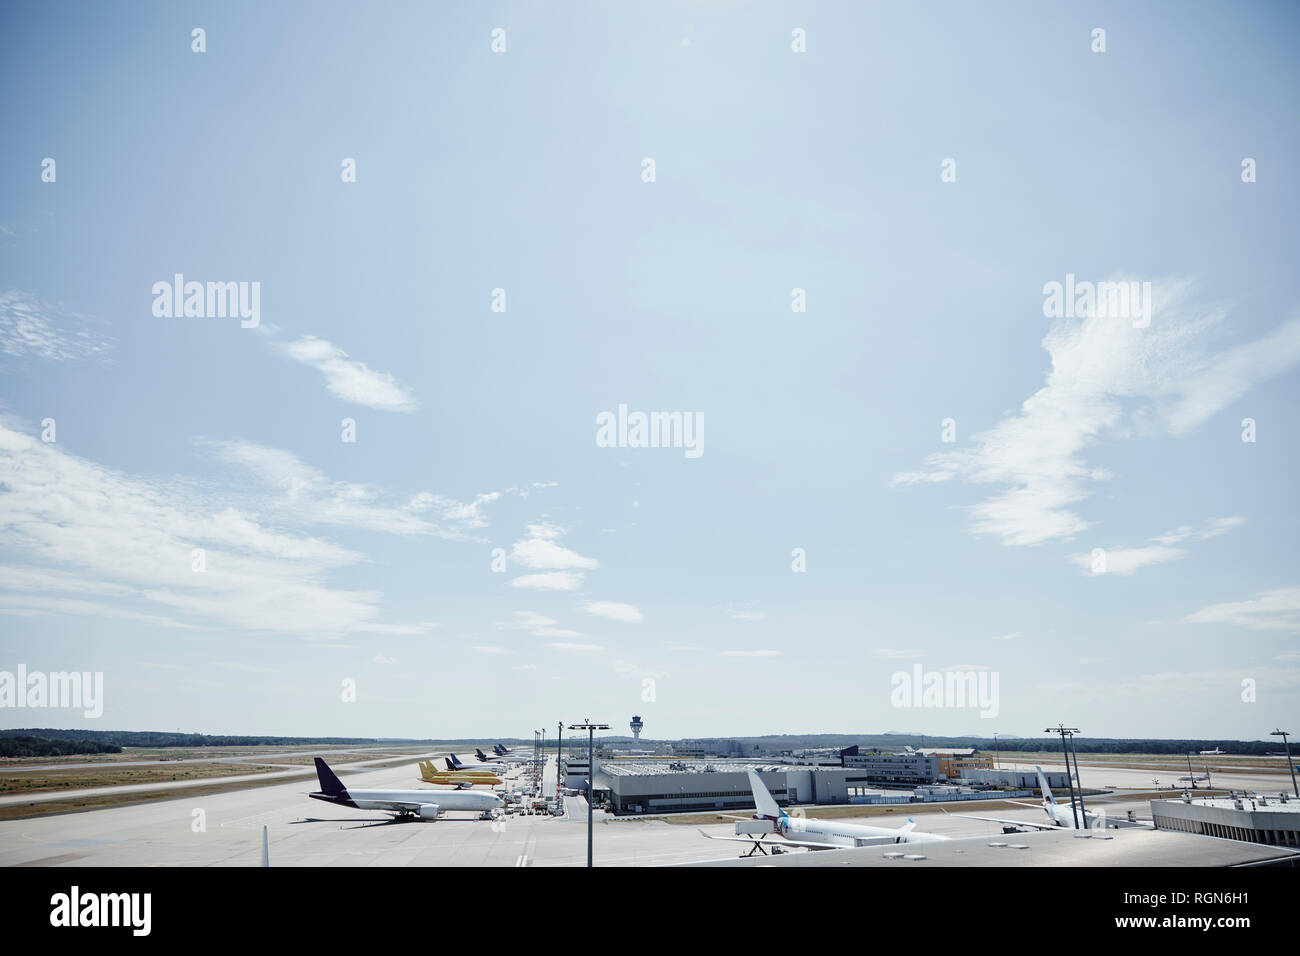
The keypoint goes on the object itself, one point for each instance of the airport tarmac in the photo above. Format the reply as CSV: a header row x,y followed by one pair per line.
x,y
1119,778
225,829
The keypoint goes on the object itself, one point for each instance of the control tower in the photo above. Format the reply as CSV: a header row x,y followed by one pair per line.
x,y
636,726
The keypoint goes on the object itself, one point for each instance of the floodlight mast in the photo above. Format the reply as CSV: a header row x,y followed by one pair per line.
x,y
1065,732
590,728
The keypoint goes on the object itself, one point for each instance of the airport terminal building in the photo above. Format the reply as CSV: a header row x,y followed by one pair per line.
x,y
1259,819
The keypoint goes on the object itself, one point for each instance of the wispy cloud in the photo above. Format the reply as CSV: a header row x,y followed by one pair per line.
x,y
552,581
626,613
129,543
1126,561
1107,380
30,327
1277,610
539,625
743,615
290,487
350,380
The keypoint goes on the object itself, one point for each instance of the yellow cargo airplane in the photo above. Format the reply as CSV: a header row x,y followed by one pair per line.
x,y
460,778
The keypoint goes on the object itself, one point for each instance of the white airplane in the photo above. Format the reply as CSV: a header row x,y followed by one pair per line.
x,y
505,756
454,763
406,804
821,834
1060,815
1211,753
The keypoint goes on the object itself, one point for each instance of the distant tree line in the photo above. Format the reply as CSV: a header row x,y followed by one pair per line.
x,y
24,746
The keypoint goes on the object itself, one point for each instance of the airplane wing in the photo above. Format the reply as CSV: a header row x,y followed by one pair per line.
x,y
1005,822
778,843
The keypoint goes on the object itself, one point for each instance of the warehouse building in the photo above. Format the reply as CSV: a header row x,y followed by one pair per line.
x,y
1252,819
1018,779
893,770
651,788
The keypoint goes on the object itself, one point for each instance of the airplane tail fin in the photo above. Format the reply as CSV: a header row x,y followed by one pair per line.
x,y
498,749
455,762
329,783
480,754
448,764
909,826
1047,791
763,801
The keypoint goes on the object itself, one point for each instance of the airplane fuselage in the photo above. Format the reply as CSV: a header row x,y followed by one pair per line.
x,y
848,834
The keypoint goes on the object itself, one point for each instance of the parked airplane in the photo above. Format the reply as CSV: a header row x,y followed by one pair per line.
x,y
1059,814
453,763
468,778
405,804
1212,753
821,834
502,754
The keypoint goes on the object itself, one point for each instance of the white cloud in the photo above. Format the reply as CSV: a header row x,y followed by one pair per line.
x,y
746,615
31,327
350,380
303,493
488,649
1008,637
541,552
577,648
381,659
88,530
538,625
1107,380
1125,561
626,613
1277,610
554,581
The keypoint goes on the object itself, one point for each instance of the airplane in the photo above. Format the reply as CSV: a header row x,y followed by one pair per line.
x,y
404,804
502,754
1059,814
463,779
820,834
453,763
1216,752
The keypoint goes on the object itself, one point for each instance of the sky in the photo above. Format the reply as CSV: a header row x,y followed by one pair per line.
x,y
908,467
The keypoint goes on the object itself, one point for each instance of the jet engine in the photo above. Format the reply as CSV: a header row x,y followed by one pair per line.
x,y
428,811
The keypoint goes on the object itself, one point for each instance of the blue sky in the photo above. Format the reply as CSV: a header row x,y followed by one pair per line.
x,y
371,561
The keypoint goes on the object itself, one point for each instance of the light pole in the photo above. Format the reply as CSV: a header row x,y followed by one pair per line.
x,y
1069,777
559,755
1289,765
591,729
997,765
